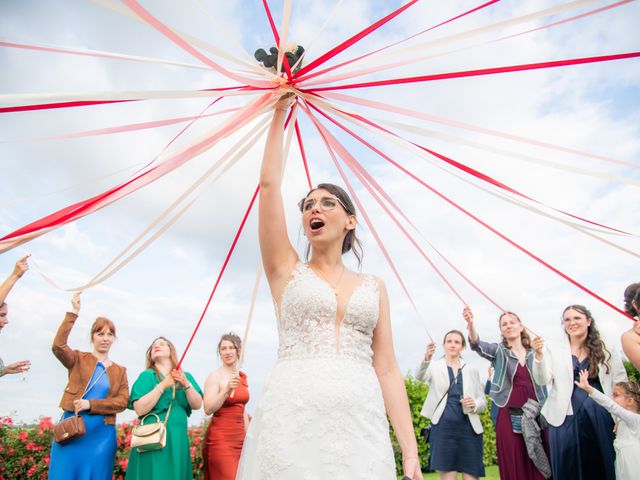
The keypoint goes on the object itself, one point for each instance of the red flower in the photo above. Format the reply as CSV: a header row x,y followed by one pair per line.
x,y
45,425
23,436
124,463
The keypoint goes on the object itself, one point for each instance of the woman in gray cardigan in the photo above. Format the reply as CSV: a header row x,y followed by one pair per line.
x,y
511,387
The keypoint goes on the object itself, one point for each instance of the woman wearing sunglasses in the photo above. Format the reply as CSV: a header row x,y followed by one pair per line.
x,y
323,408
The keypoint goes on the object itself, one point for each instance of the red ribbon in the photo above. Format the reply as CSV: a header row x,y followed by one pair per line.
x,y
276,37
48,106
483,71
351,41
224,266
80,209
476,173
303,154
504,237
368,221
84,103
368,178
325,70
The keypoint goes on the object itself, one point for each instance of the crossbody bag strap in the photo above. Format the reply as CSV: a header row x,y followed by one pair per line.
x,y
173,396
449,389
87,389
91,385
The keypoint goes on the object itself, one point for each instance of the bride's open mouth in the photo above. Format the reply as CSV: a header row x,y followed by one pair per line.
x,y
316,224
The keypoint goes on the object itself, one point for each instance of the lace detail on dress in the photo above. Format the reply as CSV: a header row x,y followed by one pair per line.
x,y
307,324
321,414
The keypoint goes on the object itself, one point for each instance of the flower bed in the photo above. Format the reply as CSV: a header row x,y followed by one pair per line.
x,y
24,449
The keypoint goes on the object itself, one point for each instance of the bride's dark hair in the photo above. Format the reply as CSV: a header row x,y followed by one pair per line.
x,y
350,242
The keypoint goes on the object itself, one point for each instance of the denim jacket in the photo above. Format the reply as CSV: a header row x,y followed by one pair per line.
x,y
505,364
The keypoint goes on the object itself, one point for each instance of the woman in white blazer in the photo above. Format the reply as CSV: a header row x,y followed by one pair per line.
x,y
581,431
455,398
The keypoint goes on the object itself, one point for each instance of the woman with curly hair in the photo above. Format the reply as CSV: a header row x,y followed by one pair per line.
x,y
631,338
581,431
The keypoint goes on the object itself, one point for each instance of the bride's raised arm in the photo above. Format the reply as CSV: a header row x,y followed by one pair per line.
x,y
278,255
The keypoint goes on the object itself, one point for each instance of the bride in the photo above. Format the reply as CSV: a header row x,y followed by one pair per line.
x,y
322,412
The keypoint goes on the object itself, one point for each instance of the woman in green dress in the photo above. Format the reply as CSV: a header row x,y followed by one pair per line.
x,y
159,386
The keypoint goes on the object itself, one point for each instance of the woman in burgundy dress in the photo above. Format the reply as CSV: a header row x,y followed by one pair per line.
x,y
512,385
225,395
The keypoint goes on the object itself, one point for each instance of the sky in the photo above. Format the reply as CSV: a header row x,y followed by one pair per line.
x,y
590,108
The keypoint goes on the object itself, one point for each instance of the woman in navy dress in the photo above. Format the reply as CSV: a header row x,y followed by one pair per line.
x,y
581,431
97,389
455,398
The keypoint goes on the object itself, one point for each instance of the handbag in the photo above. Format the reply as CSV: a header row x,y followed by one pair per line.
x,y
426,431
151,436
69,428
516,420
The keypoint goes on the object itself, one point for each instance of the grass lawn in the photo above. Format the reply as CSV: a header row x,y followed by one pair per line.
x,y
492,474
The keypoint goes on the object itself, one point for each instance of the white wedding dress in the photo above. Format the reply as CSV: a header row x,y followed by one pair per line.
x,y
321,415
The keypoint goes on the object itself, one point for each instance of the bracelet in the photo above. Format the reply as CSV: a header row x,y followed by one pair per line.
x,y
187,388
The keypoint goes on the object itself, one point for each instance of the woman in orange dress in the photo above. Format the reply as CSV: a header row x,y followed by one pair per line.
x,y
225,396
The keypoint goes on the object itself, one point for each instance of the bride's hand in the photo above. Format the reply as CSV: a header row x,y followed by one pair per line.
x,y
411,469
285,102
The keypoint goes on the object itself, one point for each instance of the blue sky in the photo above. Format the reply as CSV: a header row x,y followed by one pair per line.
x,y
592,108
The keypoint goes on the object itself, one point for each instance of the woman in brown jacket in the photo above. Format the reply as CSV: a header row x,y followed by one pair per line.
x,y
97,389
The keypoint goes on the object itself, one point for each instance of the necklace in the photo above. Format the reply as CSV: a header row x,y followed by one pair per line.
x,y
334,286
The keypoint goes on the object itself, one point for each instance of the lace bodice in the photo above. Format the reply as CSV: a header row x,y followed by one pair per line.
x,y
307,320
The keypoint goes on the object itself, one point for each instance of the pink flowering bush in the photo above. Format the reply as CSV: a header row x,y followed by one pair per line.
x,y
24,449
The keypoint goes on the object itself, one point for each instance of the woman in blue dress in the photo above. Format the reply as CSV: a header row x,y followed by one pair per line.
x,y
581,431
97,389
455,398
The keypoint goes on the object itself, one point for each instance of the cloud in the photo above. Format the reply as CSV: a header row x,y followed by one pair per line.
x,y
163,291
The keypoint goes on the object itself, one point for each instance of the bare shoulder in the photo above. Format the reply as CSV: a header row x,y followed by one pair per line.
x,y
630,336
214,377
377,281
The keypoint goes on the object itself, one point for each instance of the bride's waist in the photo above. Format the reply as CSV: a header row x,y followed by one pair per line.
x,y
333,357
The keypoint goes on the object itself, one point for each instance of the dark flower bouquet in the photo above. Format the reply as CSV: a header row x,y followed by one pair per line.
x,y
270,60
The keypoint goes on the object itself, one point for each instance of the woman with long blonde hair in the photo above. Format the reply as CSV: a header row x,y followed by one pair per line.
x,y
163,393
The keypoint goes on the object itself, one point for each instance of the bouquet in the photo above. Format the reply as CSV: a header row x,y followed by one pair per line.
x,y
270,60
